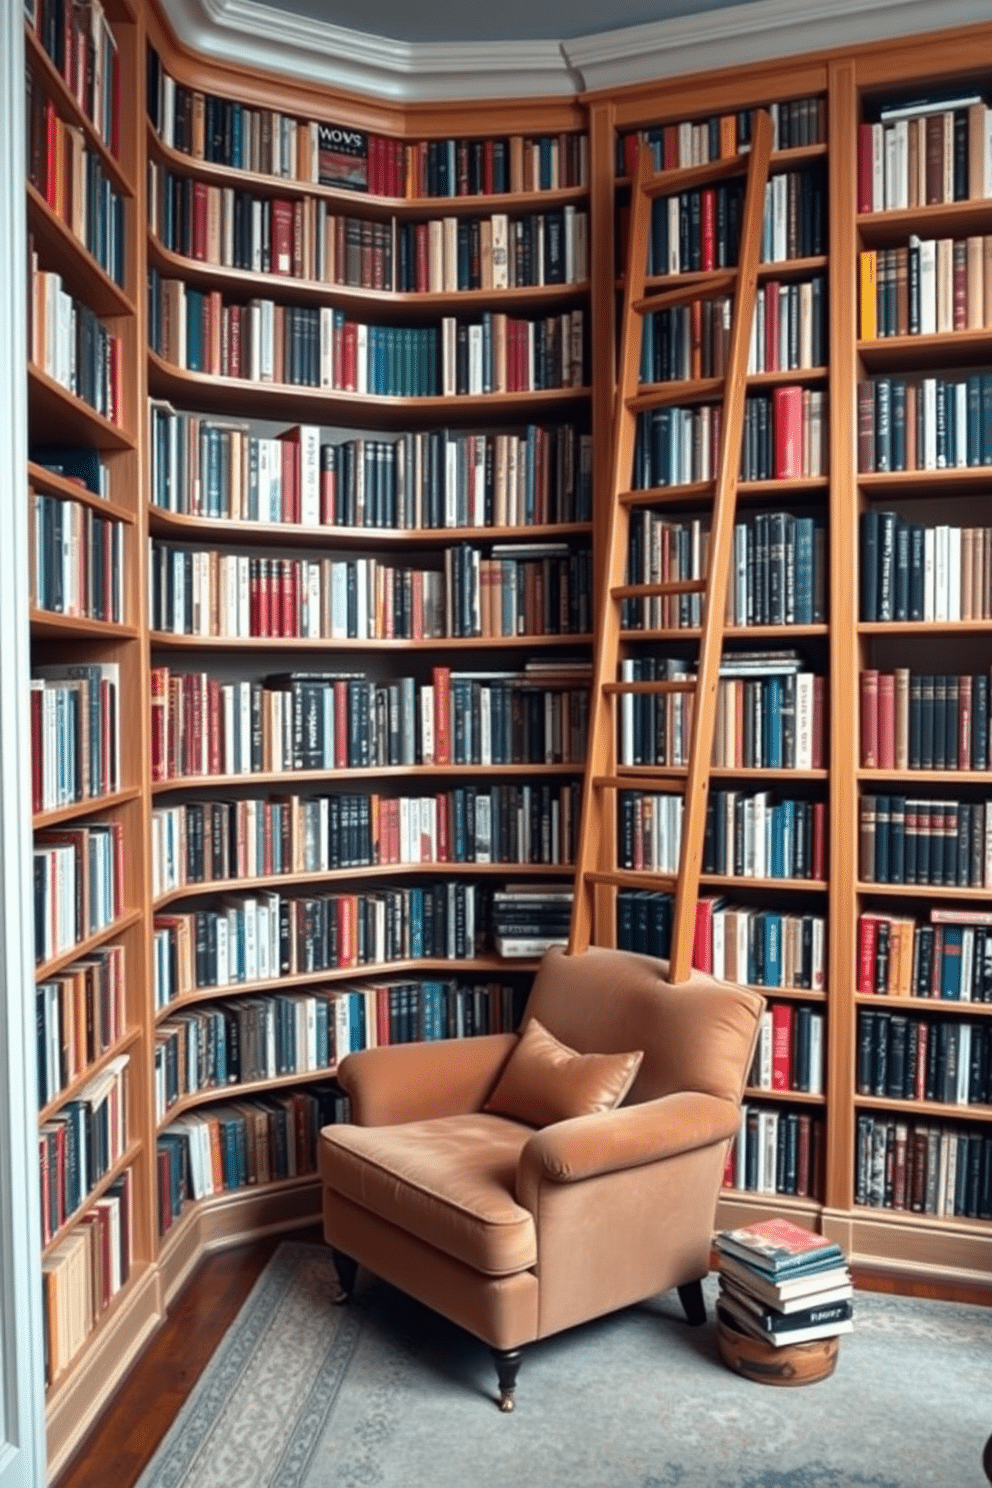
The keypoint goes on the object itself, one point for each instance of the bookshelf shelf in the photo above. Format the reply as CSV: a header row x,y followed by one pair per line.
x,y
128,1041
46,480
965,1113
774,885
291,534
237,397
923,891
371,772
49,625
914,1005
63,251
50,404
910,778
45,970
806,376
235,1090
884,485
919,628
92,805
950,219
797,1097
925,353
165,641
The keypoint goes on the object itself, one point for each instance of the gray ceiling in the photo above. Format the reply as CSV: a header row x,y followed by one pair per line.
x,y
505,20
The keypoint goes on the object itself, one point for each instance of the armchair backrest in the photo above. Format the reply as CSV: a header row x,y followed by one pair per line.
x,y
697,1036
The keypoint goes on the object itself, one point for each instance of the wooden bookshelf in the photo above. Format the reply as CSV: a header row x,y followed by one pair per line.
x,y
850,84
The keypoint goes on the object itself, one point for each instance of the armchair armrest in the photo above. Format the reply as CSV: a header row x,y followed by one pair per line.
x,y
414,1082
630,1137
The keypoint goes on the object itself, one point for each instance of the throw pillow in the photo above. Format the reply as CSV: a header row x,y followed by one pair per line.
x,y
545,1081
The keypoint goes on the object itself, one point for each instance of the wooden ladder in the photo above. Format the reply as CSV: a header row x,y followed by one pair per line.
x,y
597,876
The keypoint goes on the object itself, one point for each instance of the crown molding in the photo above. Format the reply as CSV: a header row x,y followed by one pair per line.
x,y
257,35
249,32
753,32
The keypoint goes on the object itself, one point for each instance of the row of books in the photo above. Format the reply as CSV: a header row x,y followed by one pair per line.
x,y
309,346
924,423
753,836
526,918
925,1059
914,572
75,733
84,1272
78,560
747,836
924,152
767,715
69,343
691,341
920,721
78,885
204,842
72,180
776,1152
766,948
782,1284
83,49
950,958
790,1050
432,478
928,287
237,1144
267,142
79,1016
923,1168
777,577
267,936
304,238
81,1142
908,841
204,726
675,146
695,230
533,589
785,435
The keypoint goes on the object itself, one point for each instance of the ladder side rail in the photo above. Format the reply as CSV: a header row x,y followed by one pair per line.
x,y
721,543
601,733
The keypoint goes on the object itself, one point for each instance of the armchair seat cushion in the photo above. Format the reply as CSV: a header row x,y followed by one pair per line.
x,y
450,1181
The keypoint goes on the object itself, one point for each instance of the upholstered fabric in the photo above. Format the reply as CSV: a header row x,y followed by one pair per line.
x,y
452,1179
516,1233
545,1081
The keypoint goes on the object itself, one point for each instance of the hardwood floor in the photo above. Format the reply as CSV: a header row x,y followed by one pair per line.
x,y
122,1442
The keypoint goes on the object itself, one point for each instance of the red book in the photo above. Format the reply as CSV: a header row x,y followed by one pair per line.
x,y
290,597
781,1046
215,757
866,169
730,1166
51,154
200,221
788,406
886,720
819,698
772,329
423,259
375,165
960,283
159,690
443,834
116,380
36,751
702,940
964,722
290,475
869,719
867,938
487,168
923,1041
234,315
282,237
670,146
937,972
631,146
340,725
442,715
708,258
803,1164
349,359
254,597
264,597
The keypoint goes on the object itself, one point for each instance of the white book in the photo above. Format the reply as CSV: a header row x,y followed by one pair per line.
x,y
929,386
719,944
223,952
780,217
500,251
309,475
941,585
967,961
945,285
756,340
363,588
362,358
804,721
891,190
929,574
878,167
816,1054
449,340
475,359
674,265
928,283
953,573
326,347
764,1060
449,254
768,1149
740,1150
900,194
427,726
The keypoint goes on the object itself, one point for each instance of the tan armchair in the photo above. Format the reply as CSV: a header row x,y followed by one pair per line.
x,y
517,1230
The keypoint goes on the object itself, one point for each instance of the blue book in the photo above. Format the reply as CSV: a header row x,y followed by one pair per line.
x,y
803,559
974,404
950,965
771,931
773,723
194,329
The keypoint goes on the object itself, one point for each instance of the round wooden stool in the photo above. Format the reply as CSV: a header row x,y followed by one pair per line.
x,y
792,1364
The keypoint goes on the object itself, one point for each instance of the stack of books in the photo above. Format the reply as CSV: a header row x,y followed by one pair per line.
x,y
783,1284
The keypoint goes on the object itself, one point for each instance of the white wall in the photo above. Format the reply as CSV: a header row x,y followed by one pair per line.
x,y
22,1422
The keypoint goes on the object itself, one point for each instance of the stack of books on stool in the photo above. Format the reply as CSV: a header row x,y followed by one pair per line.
x,y
785,1298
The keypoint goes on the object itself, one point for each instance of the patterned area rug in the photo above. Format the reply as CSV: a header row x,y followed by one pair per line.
x,y
381,1393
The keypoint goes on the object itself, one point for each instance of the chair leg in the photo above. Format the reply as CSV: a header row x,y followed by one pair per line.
x,y
693,1305
507,1365
347,1270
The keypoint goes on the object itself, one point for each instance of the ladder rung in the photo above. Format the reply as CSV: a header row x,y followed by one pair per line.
x,y
692,491
655,591
629,878
663,393
656,786
665,183
666,296
655,689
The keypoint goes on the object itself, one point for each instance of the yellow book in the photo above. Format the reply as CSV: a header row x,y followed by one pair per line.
x,y
869,295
